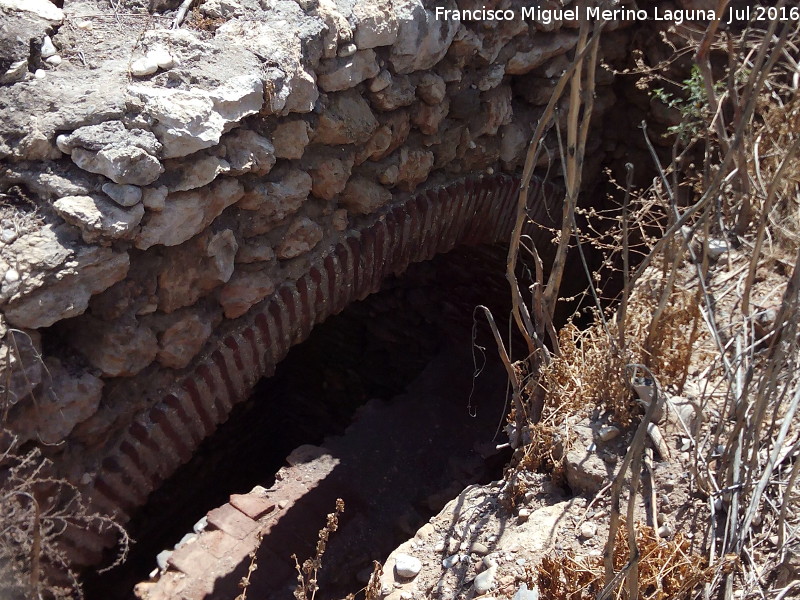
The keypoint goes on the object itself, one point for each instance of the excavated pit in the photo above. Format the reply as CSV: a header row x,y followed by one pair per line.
x,y
387,387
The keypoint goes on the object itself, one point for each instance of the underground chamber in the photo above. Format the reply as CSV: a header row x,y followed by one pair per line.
x,y
403,396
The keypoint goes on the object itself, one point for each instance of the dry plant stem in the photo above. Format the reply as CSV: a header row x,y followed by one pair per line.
x,y
518,305
785,504
623,306
36,547
632,458
576,143
761,69
771,195
519,409
181,14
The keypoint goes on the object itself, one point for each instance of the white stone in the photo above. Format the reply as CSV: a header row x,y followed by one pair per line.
x,y
48,49
716,248
523,593
56,289
451,561
54,60
186,214
485,581
98,218
144,66
191,120
407,566
125,156
193,172
339,74
588,530
161,57
376,23
11,276
41,8
162,558
40,73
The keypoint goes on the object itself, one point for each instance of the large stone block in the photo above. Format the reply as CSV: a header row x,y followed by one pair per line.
x,y
347,120
422,39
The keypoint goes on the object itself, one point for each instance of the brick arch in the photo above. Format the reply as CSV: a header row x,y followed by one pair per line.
x,y
478,210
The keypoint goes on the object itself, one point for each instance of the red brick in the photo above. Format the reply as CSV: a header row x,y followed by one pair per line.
x,y
231,521
217,542
193,560
254,506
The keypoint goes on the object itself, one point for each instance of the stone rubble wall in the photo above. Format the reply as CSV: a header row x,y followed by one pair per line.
x,y
203,201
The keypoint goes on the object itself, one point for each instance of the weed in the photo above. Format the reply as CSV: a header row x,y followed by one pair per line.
x,y
36,510
307,573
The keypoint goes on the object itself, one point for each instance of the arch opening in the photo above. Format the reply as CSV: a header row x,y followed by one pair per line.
x,y
395,393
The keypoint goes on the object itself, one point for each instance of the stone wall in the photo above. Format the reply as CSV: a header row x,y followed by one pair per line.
x,y
183,205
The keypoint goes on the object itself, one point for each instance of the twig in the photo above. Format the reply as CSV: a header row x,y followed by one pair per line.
x,y
181,14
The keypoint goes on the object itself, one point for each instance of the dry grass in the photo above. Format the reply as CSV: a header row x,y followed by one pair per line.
x,y
667,569
36,509
727,326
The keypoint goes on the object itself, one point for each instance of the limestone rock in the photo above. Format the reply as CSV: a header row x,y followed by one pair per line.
x,y
98,218
154,198
428,118
290,139
414,166
586,472
194,268
123,194
290,84
182,340
513,144
248,152
431,88
276,200
387,138
192,172
542,48
301,237
43,9
190,120
496,111
406,566
66,401
255,249
485,580
363,196
57,281
124,156
401,92
220,9
339,74
376,24
119,348
329,171
243,291
347,120
376,146
422,40
185,214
